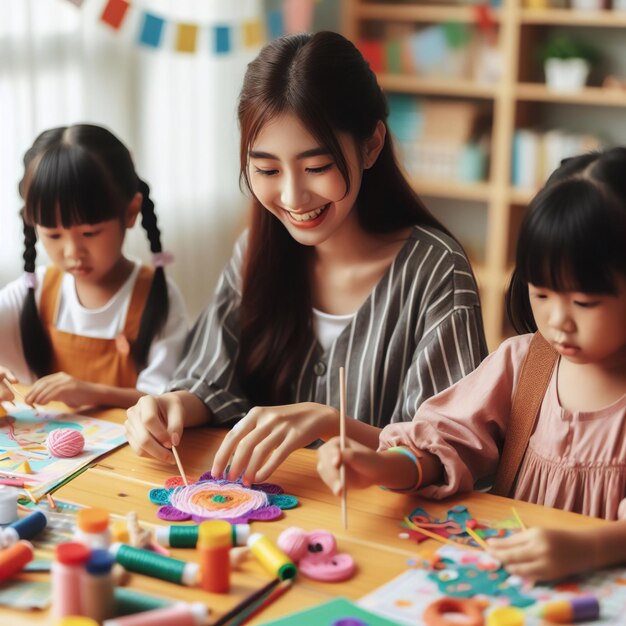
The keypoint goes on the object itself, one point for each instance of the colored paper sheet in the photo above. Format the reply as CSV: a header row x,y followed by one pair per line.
x,y
23,436
25,594
186,37
222,39
151,31
252,33
275,24
330,612
114,13
405,598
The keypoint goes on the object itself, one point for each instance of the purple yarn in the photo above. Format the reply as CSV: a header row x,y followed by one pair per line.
x,y
171,514
265,514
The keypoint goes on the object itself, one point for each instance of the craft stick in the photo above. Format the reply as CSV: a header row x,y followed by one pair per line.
x,y
518,518
477,538
180,465
342,445
246,602
15,392
30,495
435,536
51,502
263,603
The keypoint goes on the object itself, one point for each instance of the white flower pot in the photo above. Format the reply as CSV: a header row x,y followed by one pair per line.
x,y
566,74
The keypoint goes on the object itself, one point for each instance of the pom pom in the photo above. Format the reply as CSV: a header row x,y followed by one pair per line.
x,y
65,442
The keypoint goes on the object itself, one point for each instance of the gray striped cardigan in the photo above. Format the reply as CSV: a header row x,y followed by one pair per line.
x,y
419,331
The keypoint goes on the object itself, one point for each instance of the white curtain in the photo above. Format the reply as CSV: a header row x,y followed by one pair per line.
x,y
59,64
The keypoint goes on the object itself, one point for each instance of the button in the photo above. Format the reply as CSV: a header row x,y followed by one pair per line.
x,y
319,369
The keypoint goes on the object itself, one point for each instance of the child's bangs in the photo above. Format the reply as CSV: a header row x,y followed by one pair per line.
x,y
565,246
69,188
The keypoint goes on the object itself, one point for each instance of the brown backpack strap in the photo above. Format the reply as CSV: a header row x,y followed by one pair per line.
x,y
533,382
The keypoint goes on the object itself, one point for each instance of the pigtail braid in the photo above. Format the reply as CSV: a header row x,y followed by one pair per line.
x,y
156,310
35,340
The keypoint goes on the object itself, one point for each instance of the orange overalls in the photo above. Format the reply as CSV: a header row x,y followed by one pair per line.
x,y
105,361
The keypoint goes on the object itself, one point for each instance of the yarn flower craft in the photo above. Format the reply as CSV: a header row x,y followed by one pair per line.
x,y
209,498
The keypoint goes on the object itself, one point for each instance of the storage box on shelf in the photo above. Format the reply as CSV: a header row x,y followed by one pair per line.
x,y
486,64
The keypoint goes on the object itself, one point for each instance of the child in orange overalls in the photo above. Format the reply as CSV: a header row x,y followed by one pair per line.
x,y
94,327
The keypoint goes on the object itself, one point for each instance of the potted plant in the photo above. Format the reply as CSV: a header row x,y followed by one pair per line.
x,y
567,62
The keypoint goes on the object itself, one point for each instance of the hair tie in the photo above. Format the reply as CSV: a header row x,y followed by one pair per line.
x,y
161,259
30,280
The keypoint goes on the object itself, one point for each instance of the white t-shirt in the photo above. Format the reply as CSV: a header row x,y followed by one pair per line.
x,y
328,327
105,322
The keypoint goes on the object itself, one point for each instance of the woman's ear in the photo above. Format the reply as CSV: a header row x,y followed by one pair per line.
x,y
374,145
133,210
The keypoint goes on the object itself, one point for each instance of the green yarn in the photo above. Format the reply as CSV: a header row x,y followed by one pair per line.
x,y
150,564
130,601
183,536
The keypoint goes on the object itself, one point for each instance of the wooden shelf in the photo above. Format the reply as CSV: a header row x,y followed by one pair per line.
x,y
596,96
571,17
404,83
520,31
479,192
417,13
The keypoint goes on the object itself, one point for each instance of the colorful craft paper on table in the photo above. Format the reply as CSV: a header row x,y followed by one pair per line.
x,y
331,612
209,498
463,574
25,594
454,527
23,437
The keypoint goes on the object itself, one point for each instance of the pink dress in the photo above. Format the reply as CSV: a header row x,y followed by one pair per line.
x,y
576,461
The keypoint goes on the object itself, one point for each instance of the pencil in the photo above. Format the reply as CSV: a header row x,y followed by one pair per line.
x,y
180,465
263,603
518,518
246,602
51,502
342,445
435,536
476,537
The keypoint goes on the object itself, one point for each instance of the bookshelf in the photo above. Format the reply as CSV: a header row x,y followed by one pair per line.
x,y
518,99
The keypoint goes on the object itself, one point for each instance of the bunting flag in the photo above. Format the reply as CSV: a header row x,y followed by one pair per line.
x,y
223,38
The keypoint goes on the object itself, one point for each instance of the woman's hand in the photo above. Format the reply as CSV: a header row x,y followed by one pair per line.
x,y
63,388
156,423
545,554
6,394
266,436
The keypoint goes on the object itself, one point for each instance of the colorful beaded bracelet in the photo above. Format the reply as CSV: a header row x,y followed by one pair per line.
x,y
418,466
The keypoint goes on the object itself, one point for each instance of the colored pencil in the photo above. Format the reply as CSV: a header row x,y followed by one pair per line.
x,y
246,602
263,603
51,502
342,445
180,465
518,518
477,538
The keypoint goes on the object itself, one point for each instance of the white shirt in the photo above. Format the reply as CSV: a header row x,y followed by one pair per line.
x,y
328,327
105,322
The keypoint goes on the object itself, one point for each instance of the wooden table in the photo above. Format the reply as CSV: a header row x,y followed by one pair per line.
x,y
120,482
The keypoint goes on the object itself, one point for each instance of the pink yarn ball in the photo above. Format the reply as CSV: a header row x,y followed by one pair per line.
x,y
65,442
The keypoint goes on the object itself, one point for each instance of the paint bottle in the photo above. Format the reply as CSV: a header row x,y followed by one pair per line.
x,y
181,614
13,559
92,529
66,572
214,543
580,609
187,536
96,586
25,528
271,557
8,506
155,565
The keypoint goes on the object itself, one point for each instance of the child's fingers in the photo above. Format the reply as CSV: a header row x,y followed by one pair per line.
x,y
146,416
268,459
144,445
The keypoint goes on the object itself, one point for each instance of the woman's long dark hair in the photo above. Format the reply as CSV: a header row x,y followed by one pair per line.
x,y
83,174
573,236
325,82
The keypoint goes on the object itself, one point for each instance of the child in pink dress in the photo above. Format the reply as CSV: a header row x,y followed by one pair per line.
x,y
569,285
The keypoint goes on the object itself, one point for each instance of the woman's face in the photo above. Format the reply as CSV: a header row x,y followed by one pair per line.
x,y
297,180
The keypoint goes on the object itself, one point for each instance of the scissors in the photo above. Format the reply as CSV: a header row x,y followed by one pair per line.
x,y
470,609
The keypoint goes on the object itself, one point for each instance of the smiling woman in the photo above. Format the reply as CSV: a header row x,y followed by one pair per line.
x,y
342,266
